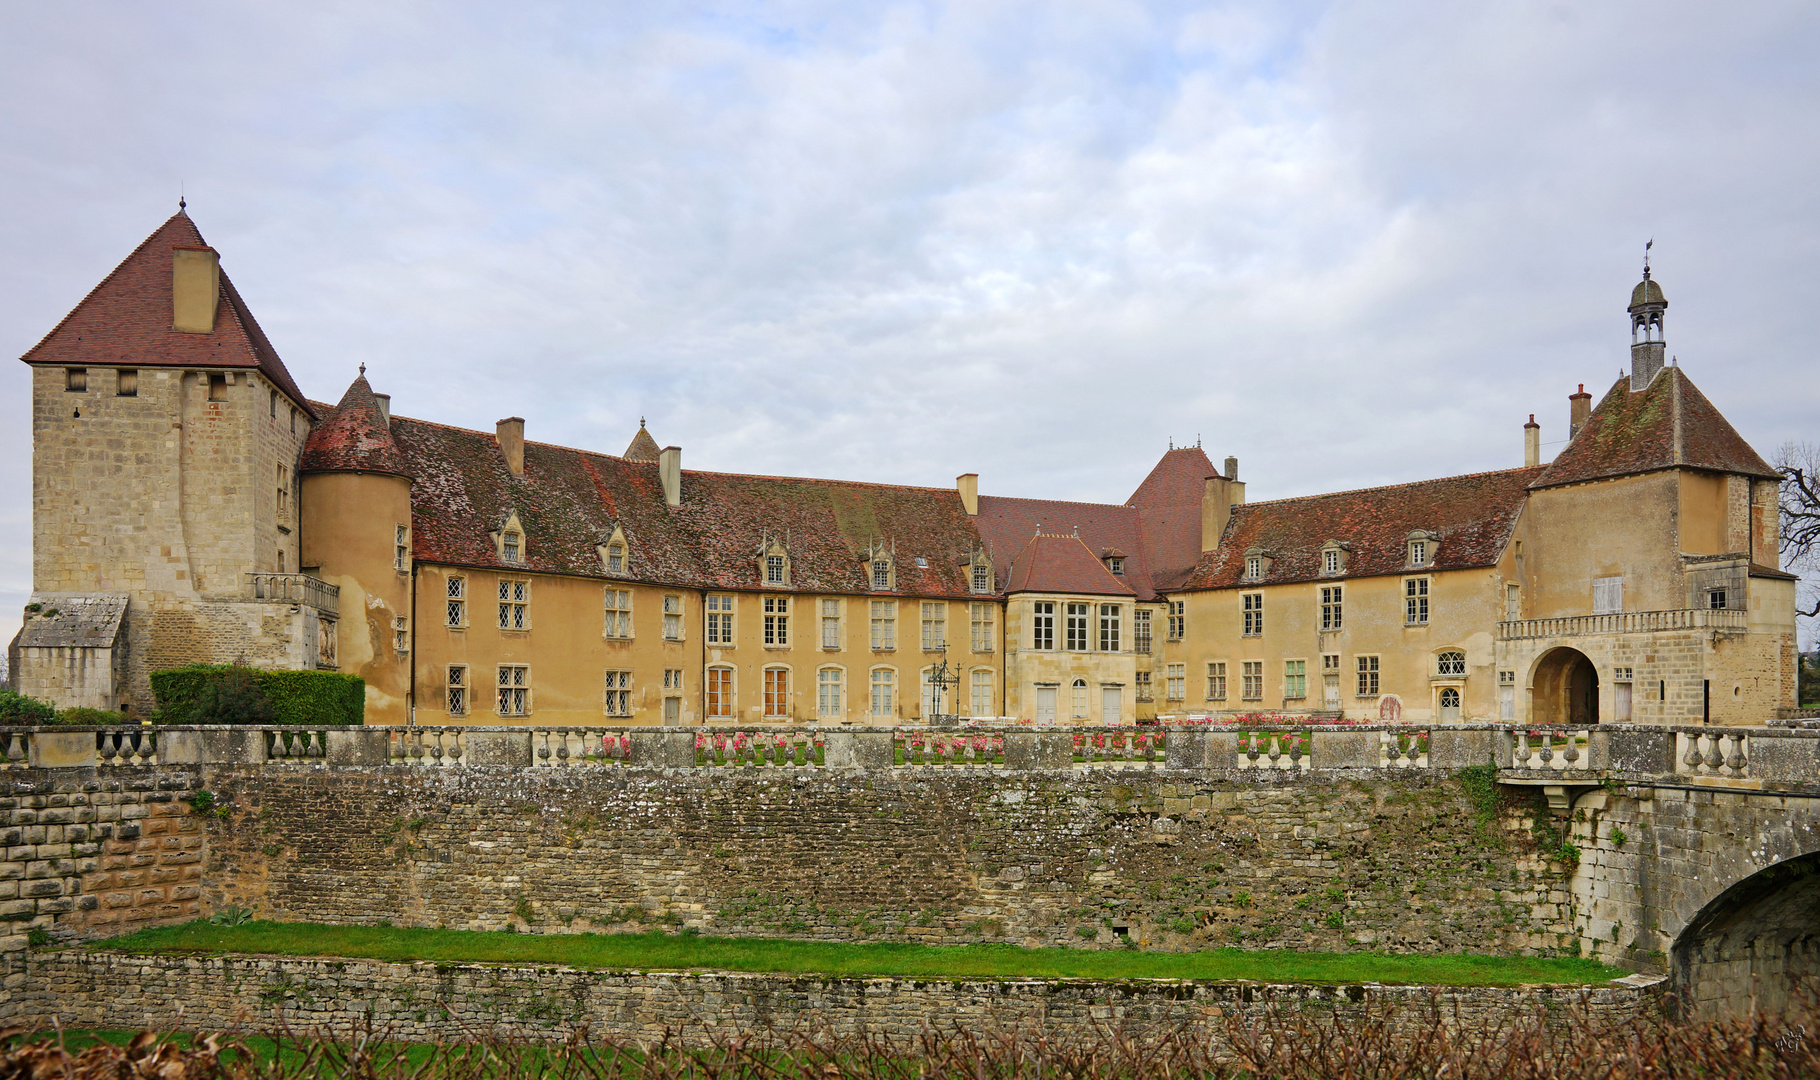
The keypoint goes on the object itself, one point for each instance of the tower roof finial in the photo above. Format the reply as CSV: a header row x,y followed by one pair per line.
x,y
363,369
1646,247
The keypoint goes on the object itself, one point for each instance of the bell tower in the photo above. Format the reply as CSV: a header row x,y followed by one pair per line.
x,y
1647,347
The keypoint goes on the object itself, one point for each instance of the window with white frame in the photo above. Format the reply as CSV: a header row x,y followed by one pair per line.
x,y
1253,605
673,679
1420,551
1178,619
720,692
1333,609
881,574
401,546
828,693
619,693
1254,567
1077,700
1415,602
1175,682
928,692
1607,595
401,633
1451,662
1252,672
455,690
935,626
777,621
981,703
511,547
1042,625
1140,631
830,624
1295,678
1513,603
1216,680
884,624
775,570
673,618
1077,627
616,559
1368,676
1116,565
514,690
1144,688
720,619
1715,599
983,618
884,693
1507,695
777,692
455,590
1331,561
1330,680
1111,623
982,578
618,613
514,604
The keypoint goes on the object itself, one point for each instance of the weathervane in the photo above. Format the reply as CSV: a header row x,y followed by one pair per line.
x,y
1646,247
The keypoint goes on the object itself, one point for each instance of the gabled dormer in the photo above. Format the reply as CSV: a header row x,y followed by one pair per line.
x,y
1257,565
881,565
1333,559
615,553
773,563
980,578
509,540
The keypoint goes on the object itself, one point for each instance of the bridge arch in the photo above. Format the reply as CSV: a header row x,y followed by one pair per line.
x,y
1746,950
1564,688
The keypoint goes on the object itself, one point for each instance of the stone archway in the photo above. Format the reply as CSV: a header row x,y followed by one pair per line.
x,y
1747,949
1564,689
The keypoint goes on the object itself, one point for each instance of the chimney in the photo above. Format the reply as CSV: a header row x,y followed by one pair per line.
x,y
1532,443
1219,495
669,468
968,484
1579,407
512,443
385,413
195,289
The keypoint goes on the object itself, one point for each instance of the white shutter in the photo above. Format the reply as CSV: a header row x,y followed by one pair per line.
x,y
1607,595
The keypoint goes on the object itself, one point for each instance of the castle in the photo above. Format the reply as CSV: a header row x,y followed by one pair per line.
x,y
190,504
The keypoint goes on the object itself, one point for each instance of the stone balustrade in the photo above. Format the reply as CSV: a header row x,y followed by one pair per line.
x,y
298,589
1626,622
1725,756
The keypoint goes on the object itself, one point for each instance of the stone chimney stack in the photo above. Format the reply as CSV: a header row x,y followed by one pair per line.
x,y
195,289
385,408
968,484
512,443
1579,407
1219,495
1232,469
1532,443
669,469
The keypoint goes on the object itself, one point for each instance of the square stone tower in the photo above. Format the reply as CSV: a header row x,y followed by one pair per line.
x,y
165,439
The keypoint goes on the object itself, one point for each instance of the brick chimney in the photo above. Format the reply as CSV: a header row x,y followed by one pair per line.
x,y
512,443
968,484
1579,407
1532,443
195,289
669,469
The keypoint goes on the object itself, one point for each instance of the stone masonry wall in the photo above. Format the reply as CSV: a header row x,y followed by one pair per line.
x,y
428,1002
1068,858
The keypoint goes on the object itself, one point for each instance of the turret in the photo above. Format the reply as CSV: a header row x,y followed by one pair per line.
x,y
1647,347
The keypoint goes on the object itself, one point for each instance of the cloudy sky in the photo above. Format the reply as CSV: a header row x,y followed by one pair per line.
x,y
1351,243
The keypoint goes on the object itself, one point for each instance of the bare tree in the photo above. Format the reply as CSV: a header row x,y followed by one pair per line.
x,y
1799,464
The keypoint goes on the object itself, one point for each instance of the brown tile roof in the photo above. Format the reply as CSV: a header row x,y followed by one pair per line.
x,y
354,438
1667,424
643,447
126,321
1169,514
569,501
1052,563
1008,525
1473,516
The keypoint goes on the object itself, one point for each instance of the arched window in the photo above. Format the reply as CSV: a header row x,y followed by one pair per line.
x,y
1450,662
720,693
1078,704
884,693
828,693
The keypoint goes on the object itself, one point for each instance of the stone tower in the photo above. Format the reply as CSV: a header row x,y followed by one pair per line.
x,y
165,439
1647,348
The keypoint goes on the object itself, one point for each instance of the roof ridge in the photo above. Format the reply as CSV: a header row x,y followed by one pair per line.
x,y
1068,502
1390,487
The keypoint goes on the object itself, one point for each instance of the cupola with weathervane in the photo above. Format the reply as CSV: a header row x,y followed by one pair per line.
x,y
1647,346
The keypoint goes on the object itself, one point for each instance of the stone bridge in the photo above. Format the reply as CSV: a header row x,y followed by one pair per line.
x,y
1693,851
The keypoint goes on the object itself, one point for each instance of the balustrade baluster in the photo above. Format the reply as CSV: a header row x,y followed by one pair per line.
x,y
1548,749
543,749
1692,758
1251,749
1714,759
455,740
1295,751
1737,759
1572,753
1521,758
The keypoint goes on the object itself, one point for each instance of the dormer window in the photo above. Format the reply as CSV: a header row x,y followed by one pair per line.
x,y
1333,560
774,569
616,559
773,563
614,552
1422,547
881,573
1116,565
979,573
1257,565
510,540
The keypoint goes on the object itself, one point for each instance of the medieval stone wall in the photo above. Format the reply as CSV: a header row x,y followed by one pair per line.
x,y
423,1002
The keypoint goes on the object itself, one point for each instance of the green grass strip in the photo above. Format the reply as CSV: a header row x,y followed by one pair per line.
x,y
659,951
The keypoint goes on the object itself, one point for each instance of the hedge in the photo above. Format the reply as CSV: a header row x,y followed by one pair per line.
x,y
297,697
18,710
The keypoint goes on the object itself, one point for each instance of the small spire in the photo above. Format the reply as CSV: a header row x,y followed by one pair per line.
x,y
363,370
641,423
1646,247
